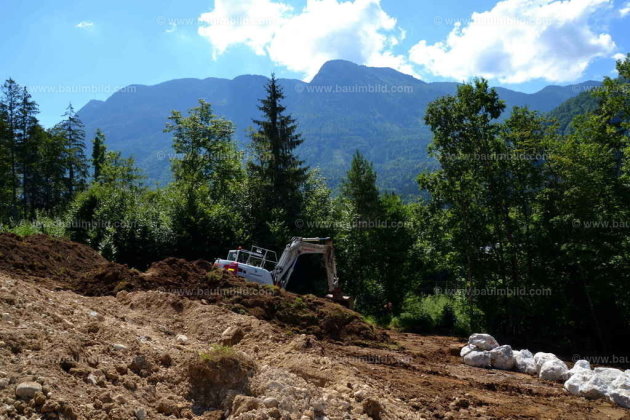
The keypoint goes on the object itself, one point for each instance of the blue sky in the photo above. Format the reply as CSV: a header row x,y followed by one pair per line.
x,y
77,50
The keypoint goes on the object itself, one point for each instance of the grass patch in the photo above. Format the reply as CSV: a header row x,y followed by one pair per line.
x,y
216,351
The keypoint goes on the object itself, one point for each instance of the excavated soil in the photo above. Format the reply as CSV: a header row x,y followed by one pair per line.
x,y
107,342
47,258
61,264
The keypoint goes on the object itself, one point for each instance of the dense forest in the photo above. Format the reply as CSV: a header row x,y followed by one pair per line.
x,y
523,231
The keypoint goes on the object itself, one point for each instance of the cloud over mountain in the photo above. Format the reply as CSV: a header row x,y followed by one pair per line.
x,y
516,41
359,30
520,40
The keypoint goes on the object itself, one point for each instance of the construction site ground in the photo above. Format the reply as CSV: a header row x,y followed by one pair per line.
x,y
97,340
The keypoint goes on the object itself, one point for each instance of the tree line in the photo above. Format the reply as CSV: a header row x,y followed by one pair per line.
x,y
40,169
523,231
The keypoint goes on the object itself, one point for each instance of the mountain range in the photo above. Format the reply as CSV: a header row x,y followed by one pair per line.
x,y
345,107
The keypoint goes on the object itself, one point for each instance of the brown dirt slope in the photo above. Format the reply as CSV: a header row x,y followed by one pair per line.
x,y
140,345
48,258
61,264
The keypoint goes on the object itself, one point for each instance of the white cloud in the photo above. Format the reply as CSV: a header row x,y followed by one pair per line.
x,y
618,56
250,22
86,24
625,10
520,40
357,30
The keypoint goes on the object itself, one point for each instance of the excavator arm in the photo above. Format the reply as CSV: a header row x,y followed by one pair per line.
x,y
299,246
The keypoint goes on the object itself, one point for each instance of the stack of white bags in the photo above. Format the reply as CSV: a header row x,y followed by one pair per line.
x,y
484,351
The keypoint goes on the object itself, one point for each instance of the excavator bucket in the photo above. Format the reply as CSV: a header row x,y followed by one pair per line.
x,y
338,297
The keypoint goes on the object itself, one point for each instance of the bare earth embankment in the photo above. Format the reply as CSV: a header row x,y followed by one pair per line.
x,y
83,338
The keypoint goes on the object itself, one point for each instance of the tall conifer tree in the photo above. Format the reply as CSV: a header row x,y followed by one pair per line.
x,y
277,174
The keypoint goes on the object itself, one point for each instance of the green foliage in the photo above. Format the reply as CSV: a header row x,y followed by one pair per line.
x,y
98,154
9,109
40,225
205,153
72,130
436,313
582,104
6,195
373,241
124,221
203,229
318,208
516,205
44,178
217,352
206,198
277,177
360,187
40,170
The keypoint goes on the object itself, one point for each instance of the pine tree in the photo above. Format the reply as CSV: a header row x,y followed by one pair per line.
x,y
9,106
98,154
72,129
277,175
28,149
5,169
39,185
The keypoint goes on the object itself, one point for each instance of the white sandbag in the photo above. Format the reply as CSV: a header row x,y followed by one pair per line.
x,y
580,366
577,379
502,357
467,349
483,341
478,359
622,382
540,358
524,362
620,397
619,391
607,372
583,364
599,385
554,370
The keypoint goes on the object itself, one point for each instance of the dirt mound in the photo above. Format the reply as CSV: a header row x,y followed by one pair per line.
x,y
217,376
159,356
80,269
179,271
198,280
59,263
299,314
108,279
46,257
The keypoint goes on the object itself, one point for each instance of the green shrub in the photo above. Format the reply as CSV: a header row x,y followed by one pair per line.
x,y
125,225
40,225
434,314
